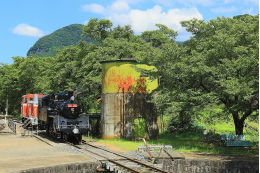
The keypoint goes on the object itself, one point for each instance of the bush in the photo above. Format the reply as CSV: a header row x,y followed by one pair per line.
x,y
176,125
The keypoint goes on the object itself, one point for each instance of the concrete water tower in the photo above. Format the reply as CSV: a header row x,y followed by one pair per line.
x,y
125,92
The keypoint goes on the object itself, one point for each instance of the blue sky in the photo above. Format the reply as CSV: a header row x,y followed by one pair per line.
x,y
23,22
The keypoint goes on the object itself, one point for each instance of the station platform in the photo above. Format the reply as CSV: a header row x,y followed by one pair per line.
x,y
24,153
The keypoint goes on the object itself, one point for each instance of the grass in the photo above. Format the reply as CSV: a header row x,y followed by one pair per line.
x,y
256,125
14,116
223,127
122,144
229,128
188,142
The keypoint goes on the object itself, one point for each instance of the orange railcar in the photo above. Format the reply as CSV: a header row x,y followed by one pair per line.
x,y
29,107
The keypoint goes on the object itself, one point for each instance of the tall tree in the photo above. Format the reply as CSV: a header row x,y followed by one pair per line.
x,y
219,64
159,36
97,29
222,65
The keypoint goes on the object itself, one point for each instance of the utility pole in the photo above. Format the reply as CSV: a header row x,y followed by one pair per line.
x,y
6,110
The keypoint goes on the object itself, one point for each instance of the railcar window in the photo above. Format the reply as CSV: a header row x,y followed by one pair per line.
x,y
44,103
40,104
26,100
31,98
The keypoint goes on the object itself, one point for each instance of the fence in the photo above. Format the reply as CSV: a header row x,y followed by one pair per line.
x,y
12,125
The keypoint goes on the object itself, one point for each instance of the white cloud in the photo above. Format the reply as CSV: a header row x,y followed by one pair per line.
x,y
120,13
27,30
133,1
86,22
202,2
146,20
119,6
229,1
165,3
94,8
224,9
185,2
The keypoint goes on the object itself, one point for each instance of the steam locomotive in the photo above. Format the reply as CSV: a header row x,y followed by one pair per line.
x,y
59,115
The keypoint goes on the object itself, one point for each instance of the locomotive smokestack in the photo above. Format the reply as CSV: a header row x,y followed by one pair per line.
x,y
70,93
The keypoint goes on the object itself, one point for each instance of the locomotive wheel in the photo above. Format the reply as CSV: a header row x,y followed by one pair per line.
x,y
47,129
79,138
61,135
65,137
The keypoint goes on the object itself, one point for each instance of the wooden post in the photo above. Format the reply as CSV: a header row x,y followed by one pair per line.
x,y
6,110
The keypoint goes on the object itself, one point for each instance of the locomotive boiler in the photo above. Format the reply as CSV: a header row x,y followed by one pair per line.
x,y
62,117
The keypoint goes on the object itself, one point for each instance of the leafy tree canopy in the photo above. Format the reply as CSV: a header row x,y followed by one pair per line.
x,y
218,65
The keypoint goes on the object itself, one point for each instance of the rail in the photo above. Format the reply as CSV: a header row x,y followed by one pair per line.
x,y
126,157
12,125
124,163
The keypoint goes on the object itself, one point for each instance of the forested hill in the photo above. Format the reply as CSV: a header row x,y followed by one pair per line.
x,y
66,36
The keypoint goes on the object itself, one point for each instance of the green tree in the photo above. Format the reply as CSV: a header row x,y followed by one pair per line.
x,y
18,79
97,29
222,66
160,36
123,32
219,64
9,87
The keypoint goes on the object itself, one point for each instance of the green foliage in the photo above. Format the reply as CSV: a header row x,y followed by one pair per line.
x,y
97,30
139,126
123,32
223,58
180,42
184,142
213,76
66,36
219,65
160,36
19,79
140,87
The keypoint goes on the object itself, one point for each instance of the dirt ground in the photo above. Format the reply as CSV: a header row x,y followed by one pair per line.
x,y
20,153
109,146
212,156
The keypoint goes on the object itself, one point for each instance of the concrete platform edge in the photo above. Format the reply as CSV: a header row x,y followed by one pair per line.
x,y
87,167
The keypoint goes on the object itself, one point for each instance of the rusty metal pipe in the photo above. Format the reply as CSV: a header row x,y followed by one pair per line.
x,y
149,152
122,119
124,109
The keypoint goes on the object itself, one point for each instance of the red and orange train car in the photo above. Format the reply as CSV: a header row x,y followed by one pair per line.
x,y
29,107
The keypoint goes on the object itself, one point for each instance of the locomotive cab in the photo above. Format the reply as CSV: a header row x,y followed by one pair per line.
x,y
61,116
69,108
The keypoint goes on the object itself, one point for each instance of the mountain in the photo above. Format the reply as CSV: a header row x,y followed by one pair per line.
x,y
66,36
180,42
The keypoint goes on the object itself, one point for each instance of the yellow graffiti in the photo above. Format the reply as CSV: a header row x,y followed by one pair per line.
x,y
122,76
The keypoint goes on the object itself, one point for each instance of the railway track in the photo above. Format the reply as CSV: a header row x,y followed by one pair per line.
x,y
2,126
112,160
117,162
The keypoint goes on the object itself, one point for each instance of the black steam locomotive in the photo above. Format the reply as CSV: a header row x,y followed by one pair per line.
x,y
62,117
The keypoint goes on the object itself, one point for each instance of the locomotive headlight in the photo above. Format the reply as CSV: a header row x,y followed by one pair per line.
x,y
75,130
